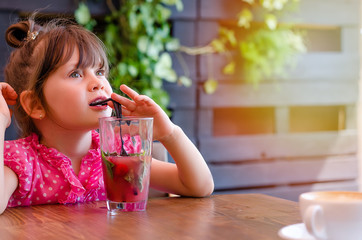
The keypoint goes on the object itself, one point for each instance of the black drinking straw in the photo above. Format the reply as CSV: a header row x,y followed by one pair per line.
x,y
118,110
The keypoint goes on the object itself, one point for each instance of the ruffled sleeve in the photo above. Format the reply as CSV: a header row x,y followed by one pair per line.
x,y
17,159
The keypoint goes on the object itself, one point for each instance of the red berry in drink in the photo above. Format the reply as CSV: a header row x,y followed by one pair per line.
x,y
120,169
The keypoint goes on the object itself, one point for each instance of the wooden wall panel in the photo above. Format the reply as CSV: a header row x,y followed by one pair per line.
x,y
328,12
321,12
320,78
256,147
185,118
185,64
310,67
228,176
282,94
190,11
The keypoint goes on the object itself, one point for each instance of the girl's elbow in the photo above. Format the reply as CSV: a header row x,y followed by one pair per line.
x,y
209,189
2,208
206,190
3,204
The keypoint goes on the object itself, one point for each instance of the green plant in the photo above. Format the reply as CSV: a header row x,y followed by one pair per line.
x,y
257,43
137,37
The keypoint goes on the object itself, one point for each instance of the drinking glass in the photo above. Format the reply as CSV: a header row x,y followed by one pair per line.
x,y
126,145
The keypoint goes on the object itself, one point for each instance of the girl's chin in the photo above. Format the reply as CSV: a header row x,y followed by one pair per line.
x,y
106,113
103,114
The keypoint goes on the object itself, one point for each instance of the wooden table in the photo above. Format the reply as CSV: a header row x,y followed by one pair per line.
x,y
238,216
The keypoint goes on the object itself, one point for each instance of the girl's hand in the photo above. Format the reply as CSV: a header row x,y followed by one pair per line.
x,y
143,106
7,97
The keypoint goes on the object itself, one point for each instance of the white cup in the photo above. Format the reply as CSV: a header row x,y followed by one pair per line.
x,y
332,215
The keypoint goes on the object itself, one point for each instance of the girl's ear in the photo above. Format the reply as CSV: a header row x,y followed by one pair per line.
x,y
32,105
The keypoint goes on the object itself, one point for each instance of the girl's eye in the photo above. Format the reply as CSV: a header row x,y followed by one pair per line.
x,y
75,75
100,72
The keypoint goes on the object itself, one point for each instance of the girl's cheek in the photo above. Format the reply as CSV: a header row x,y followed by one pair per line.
x,y
108,86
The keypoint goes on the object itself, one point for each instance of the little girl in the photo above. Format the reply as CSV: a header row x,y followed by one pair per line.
x,y
56,71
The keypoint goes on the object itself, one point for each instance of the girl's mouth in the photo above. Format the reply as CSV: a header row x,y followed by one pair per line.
x,y
117,106
100,102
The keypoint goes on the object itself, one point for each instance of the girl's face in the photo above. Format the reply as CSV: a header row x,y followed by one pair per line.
x,y
69,91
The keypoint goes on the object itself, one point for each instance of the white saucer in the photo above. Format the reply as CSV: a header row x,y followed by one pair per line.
x,y
295,232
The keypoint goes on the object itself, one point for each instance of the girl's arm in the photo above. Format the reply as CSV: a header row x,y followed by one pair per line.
x,y
8,179
191,175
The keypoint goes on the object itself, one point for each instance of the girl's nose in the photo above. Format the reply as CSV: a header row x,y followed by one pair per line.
x,y
96,84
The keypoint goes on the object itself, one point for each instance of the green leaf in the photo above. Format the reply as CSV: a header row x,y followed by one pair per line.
x,y
173,44
164,62
163,99
274,5
132,69
111,33
229,69
229,35
146,64
142,44
210,86
249,1
271,21
179,5
156,82
169,2
163,68
170,75
164,13
218,45
154,49
267,4
122,69
133,21
185,81
90,25
244,18
82,14
159,95
161,33
109,165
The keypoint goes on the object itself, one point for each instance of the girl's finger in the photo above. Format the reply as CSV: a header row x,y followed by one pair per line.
x,y
8,92
127,103
10,102
144,99
128,91
11,94
126,112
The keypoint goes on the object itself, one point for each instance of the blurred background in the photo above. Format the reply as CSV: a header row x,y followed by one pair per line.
x,y
268,90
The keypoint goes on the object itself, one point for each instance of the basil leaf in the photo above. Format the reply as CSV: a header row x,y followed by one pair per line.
x,y
109,165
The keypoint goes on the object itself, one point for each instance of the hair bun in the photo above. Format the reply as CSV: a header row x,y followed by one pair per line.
x,y
17,33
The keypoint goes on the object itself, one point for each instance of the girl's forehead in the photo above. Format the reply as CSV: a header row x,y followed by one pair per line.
x,y
80,58
70,55
57,47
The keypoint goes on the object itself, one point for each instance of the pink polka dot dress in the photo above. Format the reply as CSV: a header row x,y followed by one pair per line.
x,y
46,176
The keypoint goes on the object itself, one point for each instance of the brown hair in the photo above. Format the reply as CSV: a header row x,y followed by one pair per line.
x,y
41,50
